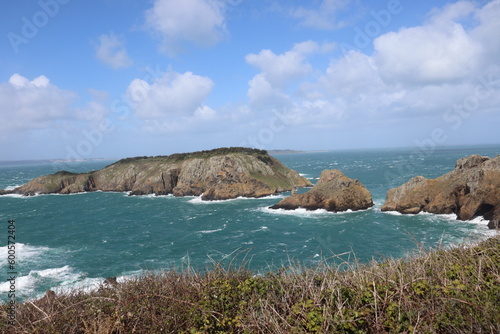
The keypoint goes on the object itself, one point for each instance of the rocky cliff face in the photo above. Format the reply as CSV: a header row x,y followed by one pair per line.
x,y
472,189
216,175
333,192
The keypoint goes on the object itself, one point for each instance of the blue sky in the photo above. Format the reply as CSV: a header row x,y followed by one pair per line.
x,y
117,78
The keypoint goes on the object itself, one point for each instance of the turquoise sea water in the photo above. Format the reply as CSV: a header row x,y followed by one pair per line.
x,y
66,241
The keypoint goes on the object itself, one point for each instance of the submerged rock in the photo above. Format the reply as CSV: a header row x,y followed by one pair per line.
x,y
471,190
333,192
215,175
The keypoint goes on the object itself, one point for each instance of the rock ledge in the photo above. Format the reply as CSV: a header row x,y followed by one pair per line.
x,y
471,190
334,192
218,174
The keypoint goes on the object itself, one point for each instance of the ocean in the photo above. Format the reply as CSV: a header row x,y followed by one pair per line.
x,y
76,241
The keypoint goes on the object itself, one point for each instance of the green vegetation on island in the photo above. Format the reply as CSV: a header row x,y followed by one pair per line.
x,y
191,155
440,291
218,174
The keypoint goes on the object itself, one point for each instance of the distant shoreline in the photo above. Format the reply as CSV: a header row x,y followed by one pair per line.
x,y
293,151
28,162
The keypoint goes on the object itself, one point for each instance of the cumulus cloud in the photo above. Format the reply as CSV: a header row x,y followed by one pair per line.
x,y
322,17
170,96
278,71
282,68
96,109
111,51
456,43
198,22
427,54
486,33
443,71
32,104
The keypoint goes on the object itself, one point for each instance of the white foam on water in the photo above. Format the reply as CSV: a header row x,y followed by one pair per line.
x,y
479,221
302,212
213,231
393,213
27,284
70,281
198,200
377,204
87,284
261,229
147,196
23,284
57,273
449,217
23,252
9,188
153,196
17,196
296,212
39,194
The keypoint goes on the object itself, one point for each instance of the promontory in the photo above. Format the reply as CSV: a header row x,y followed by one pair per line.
x,y
333,192
471,190
217,174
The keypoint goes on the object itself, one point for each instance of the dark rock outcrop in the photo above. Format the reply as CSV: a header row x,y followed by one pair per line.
x,y
471,190
111,282
333,192
216,175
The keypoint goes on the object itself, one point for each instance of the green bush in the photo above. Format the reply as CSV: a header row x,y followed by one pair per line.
x,y
442,291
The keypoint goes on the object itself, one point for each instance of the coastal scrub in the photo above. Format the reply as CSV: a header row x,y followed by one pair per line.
x,y
440,291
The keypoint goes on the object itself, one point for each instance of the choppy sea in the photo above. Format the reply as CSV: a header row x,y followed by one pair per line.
x,y
76,241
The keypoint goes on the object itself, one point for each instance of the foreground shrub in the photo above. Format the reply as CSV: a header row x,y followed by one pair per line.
x,y
441,291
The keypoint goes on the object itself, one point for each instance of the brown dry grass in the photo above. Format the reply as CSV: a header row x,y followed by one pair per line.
x,y
440,291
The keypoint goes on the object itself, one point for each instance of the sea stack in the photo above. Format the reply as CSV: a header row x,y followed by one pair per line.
x,y
334,192
217,174
471,190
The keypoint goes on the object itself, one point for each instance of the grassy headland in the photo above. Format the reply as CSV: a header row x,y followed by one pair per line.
x,y
439,291
199,154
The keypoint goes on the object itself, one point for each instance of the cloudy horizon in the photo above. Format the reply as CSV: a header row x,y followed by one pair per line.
x,y
118,78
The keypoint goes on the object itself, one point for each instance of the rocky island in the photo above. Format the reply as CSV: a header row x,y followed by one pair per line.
x,y
333,192
217,174
471,190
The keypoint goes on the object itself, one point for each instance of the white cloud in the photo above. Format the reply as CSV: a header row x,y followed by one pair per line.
x,y
261,92
32,104
111,51
205,113
200,22
427,54
421,72
456,43
171,95
350,76
96,109
278,71
451,13
416,76
322,17
19,81
282,68
486,33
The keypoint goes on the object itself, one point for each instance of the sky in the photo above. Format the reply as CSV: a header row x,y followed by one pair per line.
x,y
120,78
